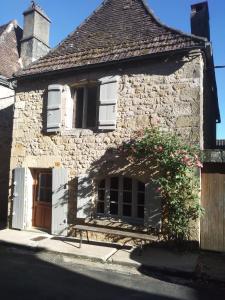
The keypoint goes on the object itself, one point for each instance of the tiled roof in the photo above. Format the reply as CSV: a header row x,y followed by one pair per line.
x,y
117,30
10,35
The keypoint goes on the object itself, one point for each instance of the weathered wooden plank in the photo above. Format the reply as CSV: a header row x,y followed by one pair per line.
x,y
213,221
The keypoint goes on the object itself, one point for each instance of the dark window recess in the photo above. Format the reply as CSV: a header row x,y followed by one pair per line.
x,y
114,183
140,211
79,105
85,107
113,209
127,210
91,106
127,184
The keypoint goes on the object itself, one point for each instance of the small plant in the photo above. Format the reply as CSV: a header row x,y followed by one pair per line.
x,y
173,168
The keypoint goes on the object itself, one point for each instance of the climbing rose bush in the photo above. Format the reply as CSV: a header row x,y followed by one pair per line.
x,y
173,166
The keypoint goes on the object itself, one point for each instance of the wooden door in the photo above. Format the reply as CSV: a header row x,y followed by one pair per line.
x,y
42,202
213,220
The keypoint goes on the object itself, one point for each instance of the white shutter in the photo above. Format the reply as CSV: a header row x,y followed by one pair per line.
x,y
108,102
54,108
59,201
68,107
22,198
84,197
153,209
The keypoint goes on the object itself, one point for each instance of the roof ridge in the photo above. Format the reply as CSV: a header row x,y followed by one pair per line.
x,y
150,11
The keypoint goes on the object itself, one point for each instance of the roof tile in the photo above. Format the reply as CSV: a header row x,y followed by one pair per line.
x,y
117,30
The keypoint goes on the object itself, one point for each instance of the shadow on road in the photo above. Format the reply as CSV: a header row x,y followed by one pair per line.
x,y
25,276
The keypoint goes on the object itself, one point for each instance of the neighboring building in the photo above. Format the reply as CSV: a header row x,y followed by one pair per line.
x,y
10,35
17,49
119,72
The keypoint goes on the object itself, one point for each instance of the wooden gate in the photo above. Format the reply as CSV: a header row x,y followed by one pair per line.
x,y
213,201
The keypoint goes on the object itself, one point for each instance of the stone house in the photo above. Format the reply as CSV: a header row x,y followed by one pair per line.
x,y
120,71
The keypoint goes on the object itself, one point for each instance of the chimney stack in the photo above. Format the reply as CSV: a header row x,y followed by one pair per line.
x,y
200,20
35,40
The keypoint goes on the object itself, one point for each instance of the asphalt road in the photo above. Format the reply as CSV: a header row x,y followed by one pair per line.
x,y
24,275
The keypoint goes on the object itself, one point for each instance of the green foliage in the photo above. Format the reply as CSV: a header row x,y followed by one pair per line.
x,y
173,168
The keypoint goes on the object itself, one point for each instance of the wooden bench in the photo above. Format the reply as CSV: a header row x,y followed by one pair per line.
x,y
122,233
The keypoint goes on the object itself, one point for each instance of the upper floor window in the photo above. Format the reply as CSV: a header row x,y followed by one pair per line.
x,y
85,106
121,197
88,106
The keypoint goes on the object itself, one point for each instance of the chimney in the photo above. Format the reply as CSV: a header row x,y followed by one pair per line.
x,y
35,40
200,20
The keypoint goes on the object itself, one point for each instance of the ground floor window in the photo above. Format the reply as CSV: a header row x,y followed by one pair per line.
x,y
121,197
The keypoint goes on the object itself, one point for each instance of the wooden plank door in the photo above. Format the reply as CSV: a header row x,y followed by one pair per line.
x,y
42,202
213,221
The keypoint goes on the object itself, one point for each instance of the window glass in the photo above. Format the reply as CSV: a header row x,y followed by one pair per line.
x,y
45,187
101,197
121,196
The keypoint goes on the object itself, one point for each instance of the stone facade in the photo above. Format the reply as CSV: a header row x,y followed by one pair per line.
x,y
163,92
6,117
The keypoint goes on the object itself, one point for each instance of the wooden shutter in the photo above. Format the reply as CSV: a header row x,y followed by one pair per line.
x,y
108,103
59,201
84,197
153,210
54,108
18,215
68,107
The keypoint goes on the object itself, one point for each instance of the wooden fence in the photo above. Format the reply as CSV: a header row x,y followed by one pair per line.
x,y
213,201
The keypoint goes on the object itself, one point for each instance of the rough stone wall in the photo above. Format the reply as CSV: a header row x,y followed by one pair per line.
x,y
6,119
164,92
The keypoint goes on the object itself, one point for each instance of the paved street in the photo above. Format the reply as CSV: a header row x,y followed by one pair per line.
x,y
25,275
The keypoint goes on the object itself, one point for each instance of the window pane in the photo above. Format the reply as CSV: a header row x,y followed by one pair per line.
x,y
79,107
113,209
100,207
92,106
141,186
127,210
48,180
141,198
101,195
42,180
114,183
114,196
127,197
140,211
127,184
102,184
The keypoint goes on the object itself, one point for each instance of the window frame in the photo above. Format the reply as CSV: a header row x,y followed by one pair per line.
x,y
134,202
85,87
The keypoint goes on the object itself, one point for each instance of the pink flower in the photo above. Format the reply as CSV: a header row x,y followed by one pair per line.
x,y
159,189
199,164
160,149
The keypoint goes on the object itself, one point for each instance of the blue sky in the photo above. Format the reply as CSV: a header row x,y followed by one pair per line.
x,y
66,15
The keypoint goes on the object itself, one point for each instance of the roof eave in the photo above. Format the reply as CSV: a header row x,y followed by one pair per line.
x,y
113,62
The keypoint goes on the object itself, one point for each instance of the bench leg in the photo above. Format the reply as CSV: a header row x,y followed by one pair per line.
x,y
81,237
87,237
